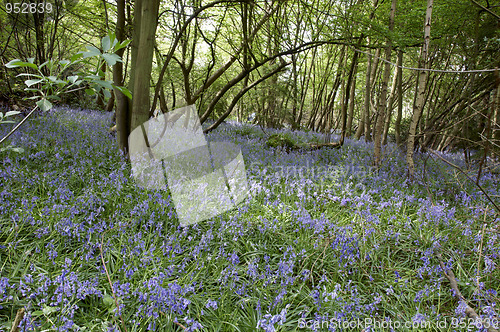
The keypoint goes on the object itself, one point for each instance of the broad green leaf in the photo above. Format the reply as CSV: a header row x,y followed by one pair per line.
x,y
92,51
76,56
93,77
48,310
18,150
90,92
37,313
44,104
105,84
18,63
111,59
64,63
107,94
32,82
29,75
52,78
54,97
108,300
123,44
124,90
72,79
106,43
11,113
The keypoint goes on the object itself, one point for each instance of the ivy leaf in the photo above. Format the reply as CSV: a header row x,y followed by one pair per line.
x,y
44,104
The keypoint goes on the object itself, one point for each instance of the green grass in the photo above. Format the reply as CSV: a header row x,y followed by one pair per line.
x,y
374,260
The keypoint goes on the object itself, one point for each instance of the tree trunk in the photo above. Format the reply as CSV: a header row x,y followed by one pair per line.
x,y
366,106
147,11
383,93
420,92
122,102
397,124
390,103
350,113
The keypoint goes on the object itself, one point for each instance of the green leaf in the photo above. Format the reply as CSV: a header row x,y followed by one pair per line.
x,y
37,313
105,84
124,90
64,63
18,150
18,63
72,79
44,104
11,113
32,82
123,44
106,43
76,56
111,59
29,75
31,60
93,51
107,94
108,300
90,92
48,310
93,77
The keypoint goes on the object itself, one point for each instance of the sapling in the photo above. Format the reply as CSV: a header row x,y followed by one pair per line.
x,y
50,86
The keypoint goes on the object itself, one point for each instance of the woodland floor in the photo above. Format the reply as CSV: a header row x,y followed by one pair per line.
x,y
324,241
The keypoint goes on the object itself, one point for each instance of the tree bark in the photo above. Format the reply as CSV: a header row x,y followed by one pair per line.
x,y
397,124
382,103
148,13
122,102
419,93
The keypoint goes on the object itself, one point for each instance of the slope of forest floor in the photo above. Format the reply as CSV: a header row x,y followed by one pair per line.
x,y
324,241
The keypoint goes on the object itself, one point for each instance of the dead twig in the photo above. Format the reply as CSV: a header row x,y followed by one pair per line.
x,y
17,320
469,311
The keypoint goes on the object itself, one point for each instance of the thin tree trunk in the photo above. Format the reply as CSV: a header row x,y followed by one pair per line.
x,y
383,93
420,92
397,124
351,104
390,103
366,106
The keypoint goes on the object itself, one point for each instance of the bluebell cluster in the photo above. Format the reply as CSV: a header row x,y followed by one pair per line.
x,y
299,248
